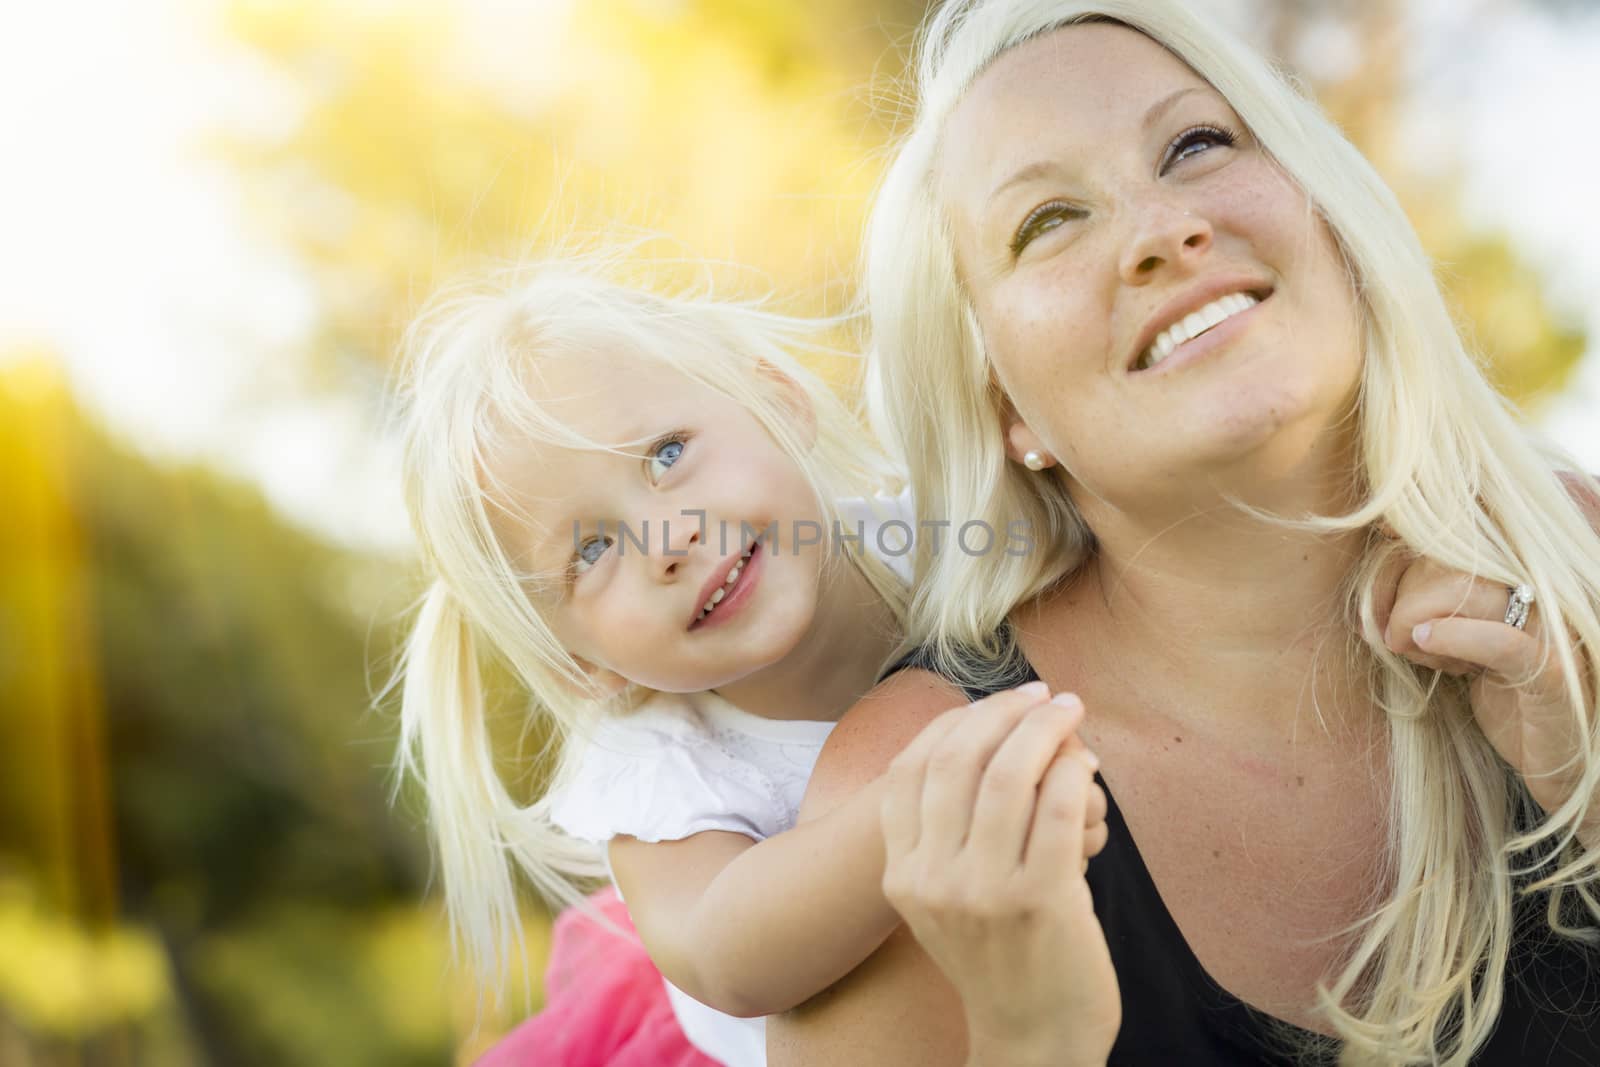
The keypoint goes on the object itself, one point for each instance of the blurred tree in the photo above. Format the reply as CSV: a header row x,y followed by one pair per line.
x,y
742,128
250,787
1355,55
434,137
57,855
263,906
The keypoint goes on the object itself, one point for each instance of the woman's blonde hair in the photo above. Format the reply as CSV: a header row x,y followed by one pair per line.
x,y
1443,462
466,397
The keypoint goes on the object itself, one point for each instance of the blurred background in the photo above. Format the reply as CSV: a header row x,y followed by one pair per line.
x,y
215,218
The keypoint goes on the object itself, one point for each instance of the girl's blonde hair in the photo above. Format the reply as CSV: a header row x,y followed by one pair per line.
x,y
1443,462
464,399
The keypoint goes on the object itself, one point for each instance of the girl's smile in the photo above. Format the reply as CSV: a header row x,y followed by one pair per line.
x,y
635,537
727,590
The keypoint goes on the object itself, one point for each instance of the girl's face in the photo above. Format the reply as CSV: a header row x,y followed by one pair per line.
x,y
641,539
1100,192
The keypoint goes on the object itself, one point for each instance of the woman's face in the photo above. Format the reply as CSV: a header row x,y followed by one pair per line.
x,y
1100,194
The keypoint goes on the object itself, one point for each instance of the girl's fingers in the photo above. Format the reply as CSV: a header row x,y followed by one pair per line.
x,y
1095,836
1096,810
1011,784
1056,837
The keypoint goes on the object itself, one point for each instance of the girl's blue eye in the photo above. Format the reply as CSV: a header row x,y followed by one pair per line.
x,y
664,455
590,552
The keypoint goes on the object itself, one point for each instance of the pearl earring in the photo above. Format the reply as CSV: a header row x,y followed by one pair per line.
x,y
1033,459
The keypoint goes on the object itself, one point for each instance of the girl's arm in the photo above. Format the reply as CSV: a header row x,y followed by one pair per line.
x,y
754,928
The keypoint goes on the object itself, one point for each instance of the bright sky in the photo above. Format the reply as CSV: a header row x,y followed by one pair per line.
x,y
128,251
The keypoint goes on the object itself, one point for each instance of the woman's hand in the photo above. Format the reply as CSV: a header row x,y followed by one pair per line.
x,y
990,816
1452,622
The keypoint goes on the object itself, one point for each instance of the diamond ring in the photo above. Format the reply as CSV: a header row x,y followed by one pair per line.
x,y
1517,608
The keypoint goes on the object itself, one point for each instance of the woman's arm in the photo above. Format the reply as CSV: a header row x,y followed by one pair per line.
x,y
753,928
988,815
897,1007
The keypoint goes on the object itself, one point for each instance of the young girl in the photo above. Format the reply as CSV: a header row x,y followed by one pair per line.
x,y
674,536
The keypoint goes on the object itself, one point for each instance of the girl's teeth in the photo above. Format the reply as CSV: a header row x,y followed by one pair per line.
x,y
727,583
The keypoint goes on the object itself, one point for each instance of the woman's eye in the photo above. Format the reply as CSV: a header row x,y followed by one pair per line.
x,y
589,553
1194,142
1041,220
664,455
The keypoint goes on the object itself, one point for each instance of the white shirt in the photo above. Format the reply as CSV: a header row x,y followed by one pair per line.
x,y
681,764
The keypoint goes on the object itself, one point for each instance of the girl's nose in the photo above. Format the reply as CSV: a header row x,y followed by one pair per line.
x,y
678,536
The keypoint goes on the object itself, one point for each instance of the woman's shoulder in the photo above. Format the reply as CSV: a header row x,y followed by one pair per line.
x,y
916,689
873,732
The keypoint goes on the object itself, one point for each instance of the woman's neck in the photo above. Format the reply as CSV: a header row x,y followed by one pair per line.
x,y
835,663
1246,619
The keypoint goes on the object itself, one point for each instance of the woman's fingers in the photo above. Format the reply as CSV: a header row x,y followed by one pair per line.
x,y
1386,589
982,787
961,761
1514,655
1428,593
1012,783
905,781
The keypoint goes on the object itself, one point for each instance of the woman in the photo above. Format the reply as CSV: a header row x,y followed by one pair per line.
x,y
1127,285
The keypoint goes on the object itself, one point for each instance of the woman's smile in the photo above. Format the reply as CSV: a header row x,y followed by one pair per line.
x,y
1184,242
1199,334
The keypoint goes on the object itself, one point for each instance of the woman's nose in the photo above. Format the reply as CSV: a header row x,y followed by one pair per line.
x,y
1164,235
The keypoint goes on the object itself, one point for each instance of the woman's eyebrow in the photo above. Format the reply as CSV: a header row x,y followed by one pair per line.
x,y
1037,169
1165,104
1044,167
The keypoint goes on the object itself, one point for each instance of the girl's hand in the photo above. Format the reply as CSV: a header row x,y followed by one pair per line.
x,y
1452,622
990,816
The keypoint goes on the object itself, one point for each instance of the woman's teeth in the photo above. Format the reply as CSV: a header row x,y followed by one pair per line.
x,y
1193,325
727,583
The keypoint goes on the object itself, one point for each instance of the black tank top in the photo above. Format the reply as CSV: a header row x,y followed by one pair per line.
x,y
1174,1013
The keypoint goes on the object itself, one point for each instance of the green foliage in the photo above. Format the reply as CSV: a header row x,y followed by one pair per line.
x,y
246,761
250,779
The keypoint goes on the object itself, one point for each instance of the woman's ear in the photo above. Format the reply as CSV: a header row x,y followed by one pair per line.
x,y
792,395
1022,444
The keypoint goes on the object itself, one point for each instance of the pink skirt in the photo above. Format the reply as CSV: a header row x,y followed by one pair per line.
x,y
605,1004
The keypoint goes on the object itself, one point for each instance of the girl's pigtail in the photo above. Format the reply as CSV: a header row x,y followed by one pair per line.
x,y
476,824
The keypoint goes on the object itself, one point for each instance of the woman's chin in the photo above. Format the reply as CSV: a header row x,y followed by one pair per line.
x,y
1253,458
